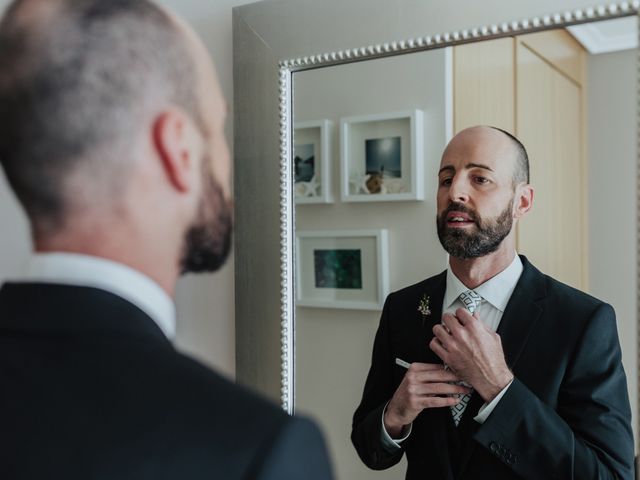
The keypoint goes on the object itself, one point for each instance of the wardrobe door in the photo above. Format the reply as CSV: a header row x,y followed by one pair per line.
x,y
549,119
532,86
483,75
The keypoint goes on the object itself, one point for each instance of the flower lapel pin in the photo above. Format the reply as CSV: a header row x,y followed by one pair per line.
x,y
423,307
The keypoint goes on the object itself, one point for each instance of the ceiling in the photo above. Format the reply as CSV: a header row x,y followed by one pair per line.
x,y
608,36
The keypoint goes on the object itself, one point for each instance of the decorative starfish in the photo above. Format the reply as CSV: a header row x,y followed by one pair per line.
x,y
308,189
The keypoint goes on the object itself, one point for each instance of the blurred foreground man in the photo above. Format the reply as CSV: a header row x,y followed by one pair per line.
x,y
544,397
112,139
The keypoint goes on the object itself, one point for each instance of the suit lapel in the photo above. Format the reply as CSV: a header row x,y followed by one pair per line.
x,y
518,320
522,312
435,294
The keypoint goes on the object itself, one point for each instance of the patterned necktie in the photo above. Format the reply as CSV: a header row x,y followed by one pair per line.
x,y
471,301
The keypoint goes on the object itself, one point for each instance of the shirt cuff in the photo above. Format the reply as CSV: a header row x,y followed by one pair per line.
x,y
487,408
389,443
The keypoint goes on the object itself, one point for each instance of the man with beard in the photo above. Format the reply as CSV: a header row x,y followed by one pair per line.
x,y
113,141
493,370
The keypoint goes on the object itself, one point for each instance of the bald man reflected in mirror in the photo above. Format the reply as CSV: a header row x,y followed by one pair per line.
x,y
113,142
491,369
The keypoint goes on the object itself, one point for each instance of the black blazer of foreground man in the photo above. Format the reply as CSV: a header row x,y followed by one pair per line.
x,y
93,389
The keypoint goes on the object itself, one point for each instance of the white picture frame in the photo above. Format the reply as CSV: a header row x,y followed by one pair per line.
x,y
315,136
394,138
347,269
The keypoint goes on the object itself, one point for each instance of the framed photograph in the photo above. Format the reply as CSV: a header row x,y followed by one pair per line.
x,y
342,269
311,162
382,157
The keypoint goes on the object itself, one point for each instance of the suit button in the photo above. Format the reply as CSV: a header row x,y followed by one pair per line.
x,y
493,446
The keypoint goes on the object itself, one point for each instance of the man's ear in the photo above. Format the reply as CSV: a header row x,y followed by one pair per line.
x,y
179,147
524,200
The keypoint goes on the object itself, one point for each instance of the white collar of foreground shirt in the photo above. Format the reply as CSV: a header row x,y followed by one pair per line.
x,y
125,282
497,290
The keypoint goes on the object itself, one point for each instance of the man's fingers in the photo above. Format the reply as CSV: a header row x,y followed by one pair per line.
x,y
451,322
441,335
436,402
431,376
443,376
436,347
438,389
465,317
425,367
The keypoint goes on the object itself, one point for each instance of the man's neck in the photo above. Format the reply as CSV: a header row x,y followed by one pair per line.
x,y
139,259
473,272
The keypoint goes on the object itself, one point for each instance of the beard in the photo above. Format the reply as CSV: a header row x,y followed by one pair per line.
x,y
207,242
486,238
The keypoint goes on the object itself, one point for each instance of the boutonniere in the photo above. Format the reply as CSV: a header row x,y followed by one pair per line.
x,y
423,307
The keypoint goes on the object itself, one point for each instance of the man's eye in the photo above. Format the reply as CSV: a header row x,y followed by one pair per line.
x,y
481,180
445,182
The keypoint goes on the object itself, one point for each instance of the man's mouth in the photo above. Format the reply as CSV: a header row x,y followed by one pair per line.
x,y
459,219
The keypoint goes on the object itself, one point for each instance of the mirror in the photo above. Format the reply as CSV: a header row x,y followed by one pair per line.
x,y
368,139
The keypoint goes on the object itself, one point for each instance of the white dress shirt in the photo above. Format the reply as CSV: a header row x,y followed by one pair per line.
x,y
495,294
113,277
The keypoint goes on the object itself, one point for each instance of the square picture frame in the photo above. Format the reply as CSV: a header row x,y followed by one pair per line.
x,y
346,269
382,157
311,158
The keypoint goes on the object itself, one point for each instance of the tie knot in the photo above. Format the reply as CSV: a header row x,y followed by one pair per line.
x,y
471,300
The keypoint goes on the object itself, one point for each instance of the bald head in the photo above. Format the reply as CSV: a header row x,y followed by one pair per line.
x,y
496,142
78,81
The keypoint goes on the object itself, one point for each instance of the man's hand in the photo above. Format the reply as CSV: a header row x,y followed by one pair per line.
x,y
425,385
473,352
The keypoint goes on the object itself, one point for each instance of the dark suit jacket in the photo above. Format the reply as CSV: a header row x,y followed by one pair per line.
x,y
565,416
90,388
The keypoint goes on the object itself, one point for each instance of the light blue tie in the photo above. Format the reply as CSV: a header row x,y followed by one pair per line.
x,y
471,301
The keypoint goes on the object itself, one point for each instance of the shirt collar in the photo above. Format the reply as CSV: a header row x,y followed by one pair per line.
x,y
497,290
116,278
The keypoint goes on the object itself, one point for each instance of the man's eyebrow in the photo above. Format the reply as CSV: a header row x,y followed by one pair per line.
x,y
448,168
451,168
478,165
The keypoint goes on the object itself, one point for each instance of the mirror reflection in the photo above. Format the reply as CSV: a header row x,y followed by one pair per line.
x,y
370,177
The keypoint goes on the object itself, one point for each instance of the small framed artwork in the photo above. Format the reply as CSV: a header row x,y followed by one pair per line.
x,y
342,269
311,162
382,157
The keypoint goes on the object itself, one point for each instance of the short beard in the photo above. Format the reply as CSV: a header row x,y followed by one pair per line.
x,y
485,240
207,241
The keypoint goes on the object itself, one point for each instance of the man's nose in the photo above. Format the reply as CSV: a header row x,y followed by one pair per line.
x,y
459,191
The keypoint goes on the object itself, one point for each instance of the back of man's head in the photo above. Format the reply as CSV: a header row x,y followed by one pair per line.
x,y
78,79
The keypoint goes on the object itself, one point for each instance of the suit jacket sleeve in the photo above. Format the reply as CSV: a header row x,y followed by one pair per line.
x,y
298,451
366,433
588,434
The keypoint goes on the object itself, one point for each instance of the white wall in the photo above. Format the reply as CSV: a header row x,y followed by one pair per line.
x,y
205,303
611,105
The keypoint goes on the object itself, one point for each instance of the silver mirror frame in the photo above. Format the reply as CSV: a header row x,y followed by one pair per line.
x,y
254,41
